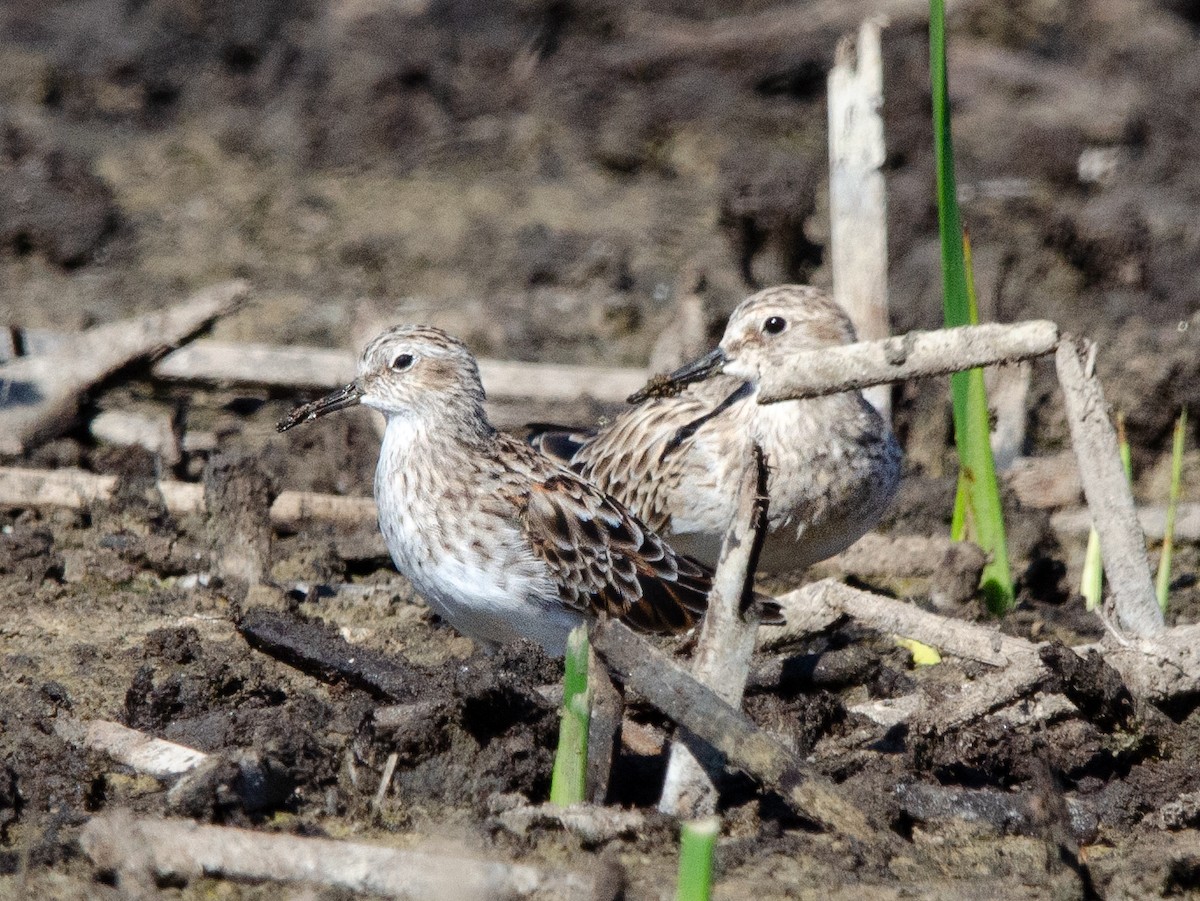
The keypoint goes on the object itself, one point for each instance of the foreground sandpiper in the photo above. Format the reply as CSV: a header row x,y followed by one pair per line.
x,y
500,540
674,457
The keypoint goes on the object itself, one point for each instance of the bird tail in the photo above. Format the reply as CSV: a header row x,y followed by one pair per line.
x,y
558,442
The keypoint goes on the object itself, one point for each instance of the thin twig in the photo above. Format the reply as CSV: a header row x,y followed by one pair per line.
x,y
75,489
39,394
1152,518
1107,491
172,848
676,693
320,368
723,650
144,753
857,194
913,355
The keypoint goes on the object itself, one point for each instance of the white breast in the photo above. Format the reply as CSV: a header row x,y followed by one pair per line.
x,y
474,569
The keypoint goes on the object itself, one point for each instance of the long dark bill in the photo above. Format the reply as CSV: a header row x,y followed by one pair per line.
x,y
338,400
695,371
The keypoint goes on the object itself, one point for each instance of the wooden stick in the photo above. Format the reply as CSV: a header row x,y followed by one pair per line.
x,y
857,193
153,432
1107,491
144,753
1157,668
659,40
952,636
1152,518
723,649
135,848
320,368
75,489
914,355
604,729
322,652
39,394
676,693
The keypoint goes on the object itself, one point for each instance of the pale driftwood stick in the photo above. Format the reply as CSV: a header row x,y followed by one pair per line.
x,y
1153,520
724,648
857,193
39,395
124,429
1157,668
658,40
246,363
143,753
674,691
604,729
311,367
891,617
181,848
1161,667
1107,491
75,490
914,355
594,824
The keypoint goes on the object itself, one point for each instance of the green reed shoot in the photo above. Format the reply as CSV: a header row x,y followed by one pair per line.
x,y
697,840
1091,585
569,777
1162,583
977,510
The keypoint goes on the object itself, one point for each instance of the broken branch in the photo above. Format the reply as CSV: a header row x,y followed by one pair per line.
x,y
141,848
39,394
76,490
314,367
913,355
676,693
1107,491
724,648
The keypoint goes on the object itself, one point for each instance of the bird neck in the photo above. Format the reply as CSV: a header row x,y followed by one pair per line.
x,y
449,430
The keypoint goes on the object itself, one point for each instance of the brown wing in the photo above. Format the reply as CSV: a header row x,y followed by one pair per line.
x,y
605,561
628,458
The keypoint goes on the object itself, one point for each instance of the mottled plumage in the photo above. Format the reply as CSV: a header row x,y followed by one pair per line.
x,y
674,460
500,540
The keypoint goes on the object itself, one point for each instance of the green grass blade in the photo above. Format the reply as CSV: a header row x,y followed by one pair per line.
x,y
1162,584
977,508
568,779
696,843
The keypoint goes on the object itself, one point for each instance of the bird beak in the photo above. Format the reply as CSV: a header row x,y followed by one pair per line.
x,y
330,403
696,371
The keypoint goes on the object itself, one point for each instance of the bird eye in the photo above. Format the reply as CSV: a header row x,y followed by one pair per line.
x,y
402,362
774,325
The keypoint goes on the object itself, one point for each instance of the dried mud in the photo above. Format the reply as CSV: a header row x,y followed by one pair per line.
x,y
543,178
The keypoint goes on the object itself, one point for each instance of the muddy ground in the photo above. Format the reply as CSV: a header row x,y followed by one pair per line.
x,y
538,177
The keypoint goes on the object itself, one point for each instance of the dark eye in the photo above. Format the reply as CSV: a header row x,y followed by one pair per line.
x,y
774,325
402,362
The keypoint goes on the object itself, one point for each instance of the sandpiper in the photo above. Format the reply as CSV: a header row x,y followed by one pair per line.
x,y
501,541
674,456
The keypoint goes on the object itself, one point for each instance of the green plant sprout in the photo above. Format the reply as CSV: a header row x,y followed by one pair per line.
x,y
977,511
697,840
1162,584
569,776
1091,584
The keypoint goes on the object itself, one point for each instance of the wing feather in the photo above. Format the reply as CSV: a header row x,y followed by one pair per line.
x,y
605,561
